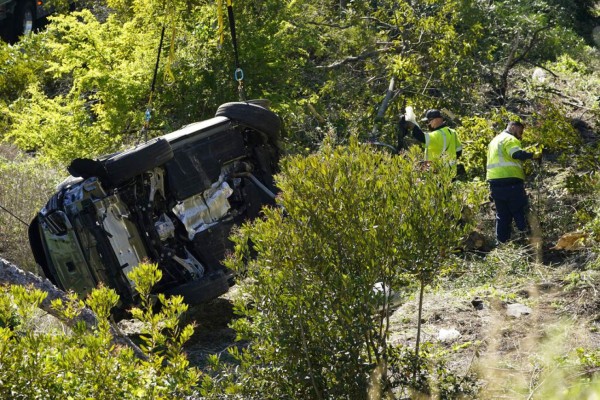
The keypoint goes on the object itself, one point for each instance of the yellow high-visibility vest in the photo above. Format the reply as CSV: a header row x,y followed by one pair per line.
x,y
442,141
500,163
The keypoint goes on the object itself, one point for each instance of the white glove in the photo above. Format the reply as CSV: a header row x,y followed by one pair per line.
x,y
410,116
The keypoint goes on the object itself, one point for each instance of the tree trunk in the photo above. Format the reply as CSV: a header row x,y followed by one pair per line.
x,y
12,275
420,313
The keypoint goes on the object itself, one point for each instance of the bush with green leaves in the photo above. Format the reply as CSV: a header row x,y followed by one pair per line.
x,y
26,183
475,134
348,218
428,376
83,362
105,83
90,95
18,72
550,128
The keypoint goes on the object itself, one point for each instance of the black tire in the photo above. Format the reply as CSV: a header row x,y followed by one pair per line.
x,y
39,253
127,164
254,116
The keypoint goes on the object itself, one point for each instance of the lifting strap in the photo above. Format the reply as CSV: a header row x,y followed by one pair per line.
x,y
148,113
239,73
168,77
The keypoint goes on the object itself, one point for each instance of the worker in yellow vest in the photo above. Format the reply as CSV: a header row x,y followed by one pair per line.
x,y
440,140
506,179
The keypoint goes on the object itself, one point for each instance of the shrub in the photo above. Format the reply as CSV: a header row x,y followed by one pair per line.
x,y
83,363
350,217
433,377
551,129
26,184
475,133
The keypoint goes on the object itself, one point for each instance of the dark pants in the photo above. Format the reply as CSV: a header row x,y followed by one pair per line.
x,y
511,204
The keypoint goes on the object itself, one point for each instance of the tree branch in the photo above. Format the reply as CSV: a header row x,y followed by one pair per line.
x,y
351,59
384,105
13,275
514,59
381,23
545,69
328,25
529,46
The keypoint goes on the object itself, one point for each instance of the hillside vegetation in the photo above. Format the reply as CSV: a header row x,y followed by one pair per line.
x,y
353,215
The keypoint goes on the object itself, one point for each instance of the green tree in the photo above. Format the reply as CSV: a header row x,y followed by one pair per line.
x,y
425,46
349,217
324,66
520,33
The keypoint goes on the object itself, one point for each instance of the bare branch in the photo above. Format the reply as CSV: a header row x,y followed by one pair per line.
x,y
529,46
514,59
379,22
352,59
329,25
546,69
384,105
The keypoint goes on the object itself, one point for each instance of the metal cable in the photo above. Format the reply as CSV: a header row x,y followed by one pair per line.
x,y
19,219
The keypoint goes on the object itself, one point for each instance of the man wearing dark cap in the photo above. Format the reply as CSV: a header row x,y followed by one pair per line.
x,y
505,175
441,140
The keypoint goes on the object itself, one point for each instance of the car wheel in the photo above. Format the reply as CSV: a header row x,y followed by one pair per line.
x,y
253,115
39,253
125,165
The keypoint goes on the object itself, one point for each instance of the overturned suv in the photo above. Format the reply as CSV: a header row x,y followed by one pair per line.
x,y
172,200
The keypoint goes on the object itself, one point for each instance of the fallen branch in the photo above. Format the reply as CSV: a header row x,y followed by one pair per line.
x,y
382,109
13,275
360,57
546,69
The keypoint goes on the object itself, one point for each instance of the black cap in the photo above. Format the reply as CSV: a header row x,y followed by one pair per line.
x,y
431,114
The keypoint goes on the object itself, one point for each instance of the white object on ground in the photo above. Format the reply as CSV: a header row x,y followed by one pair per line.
x,y
516,310
448,335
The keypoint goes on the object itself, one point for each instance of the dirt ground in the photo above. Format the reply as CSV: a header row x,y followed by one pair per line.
x,y
502,348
